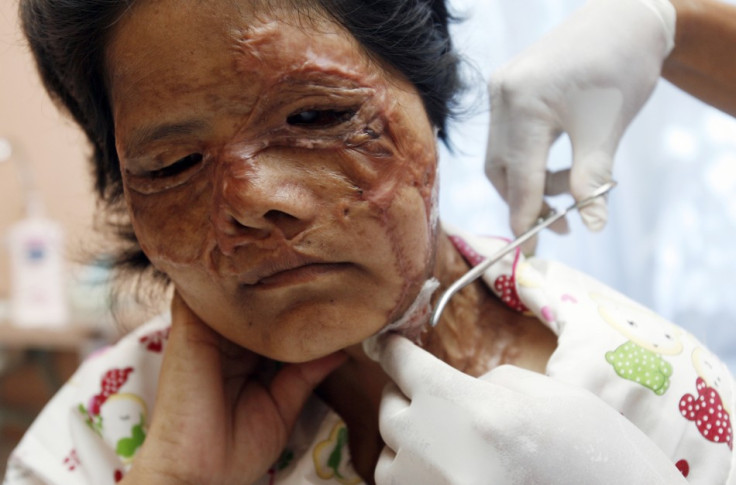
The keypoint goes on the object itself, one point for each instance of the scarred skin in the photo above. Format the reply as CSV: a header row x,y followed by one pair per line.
x,y
269,195
289,238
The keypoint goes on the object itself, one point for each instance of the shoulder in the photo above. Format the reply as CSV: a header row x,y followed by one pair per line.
x,y
501,276
640,363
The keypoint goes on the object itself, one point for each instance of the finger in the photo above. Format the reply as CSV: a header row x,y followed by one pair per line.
x,y
589,172
293,384
498,176
519,140
190,383
560,226
197,345
383,473
526,382
498,136
525,197
526,203
410,366
557,183
192,361
393,404
595,215
516,160
185,324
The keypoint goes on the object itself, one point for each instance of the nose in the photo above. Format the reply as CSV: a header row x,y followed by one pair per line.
x,y
260,198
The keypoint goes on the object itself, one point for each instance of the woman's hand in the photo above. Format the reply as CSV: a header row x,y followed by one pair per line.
x,y
511,426
215,420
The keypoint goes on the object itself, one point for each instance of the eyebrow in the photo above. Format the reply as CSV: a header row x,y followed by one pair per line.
x,y
149,134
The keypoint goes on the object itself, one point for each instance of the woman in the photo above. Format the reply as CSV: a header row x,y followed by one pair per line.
x,y
277,163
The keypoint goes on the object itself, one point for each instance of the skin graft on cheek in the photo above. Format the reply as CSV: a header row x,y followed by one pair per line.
x,y
309,147
356,169
347,86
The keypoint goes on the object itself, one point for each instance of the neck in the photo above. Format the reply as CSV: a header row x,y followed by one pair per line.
x,y
354,391
476,331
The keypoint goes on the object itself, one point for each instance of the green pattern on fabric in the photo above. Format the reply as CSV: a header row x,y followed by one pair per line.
x,y
336,456
642,366
284,460
127,447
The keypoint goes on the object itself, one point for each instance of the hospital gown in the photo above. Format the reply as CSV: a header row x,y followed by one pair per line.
x,y
651,371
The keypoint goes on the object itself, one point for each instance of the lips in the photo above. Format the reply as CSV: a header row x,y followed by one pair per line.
x,y
288,268
301,274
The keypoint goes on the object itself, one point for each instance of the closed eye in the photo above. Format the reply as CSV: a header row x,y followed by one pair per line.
x,y
177,167
320,118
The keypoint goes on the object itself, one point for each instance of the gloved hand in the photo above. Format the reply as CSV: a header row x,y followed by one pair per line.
x,y
587,78
510,427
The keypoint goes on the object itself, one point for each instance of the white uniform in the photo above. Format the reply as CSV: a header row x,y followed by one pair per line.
x,y
654,373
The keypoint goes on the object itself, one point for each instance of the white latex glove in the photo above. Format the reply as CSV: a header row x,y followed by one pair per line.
x,y
587,78
510,427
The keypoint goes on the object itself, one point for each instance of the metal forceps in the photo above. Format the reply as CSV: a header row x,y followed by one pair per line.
x,y
478,270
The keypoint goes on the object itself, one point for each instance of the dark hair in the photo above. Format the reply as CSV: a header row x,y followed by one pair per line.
x,y
413,37
68,39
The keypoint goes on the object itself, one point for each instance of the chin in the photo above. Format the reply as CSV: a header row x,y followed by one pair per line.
x,y
303,321
306,333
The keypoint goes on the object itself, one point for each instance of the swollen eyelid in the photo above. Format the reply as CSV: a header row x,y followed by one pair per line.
x,y
320,118
177,167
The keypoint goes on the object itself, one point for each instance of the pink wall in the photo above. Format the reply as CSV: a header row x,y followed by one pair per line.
x,y
50,143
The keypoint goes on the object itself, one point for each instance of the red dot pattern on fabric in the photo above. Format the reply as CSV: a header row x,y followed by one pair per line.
x,y
154,341
113,380
468,253
505,285
72,461
707,411
111,383
684,467
95,403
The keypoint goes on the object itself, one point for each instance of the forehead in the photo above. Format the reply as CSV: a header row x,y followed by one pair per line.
x,y
184,47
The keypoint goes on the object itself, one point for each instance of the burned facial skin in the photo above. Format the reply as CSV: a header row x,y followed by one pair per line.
x,y
281,178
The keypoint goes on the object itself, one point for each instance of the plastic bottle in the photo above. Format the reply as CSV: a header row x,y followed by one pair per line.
x,y
37,290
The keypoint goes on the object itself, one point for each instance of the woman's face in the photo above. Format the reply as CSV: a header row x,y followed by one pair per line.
x,y
281,178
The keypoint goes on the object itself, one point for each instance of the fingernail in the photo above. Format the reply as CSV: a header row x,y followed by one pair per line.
x,y
595,215
529,248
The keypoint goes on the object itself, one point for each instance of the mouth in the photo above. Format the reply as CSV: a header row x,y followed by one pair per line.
x,y
300,274
289,270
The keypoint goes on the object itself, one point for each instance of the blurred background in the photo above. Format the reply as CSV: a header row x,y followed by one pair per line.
x,y
33,360
669,243
52,262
